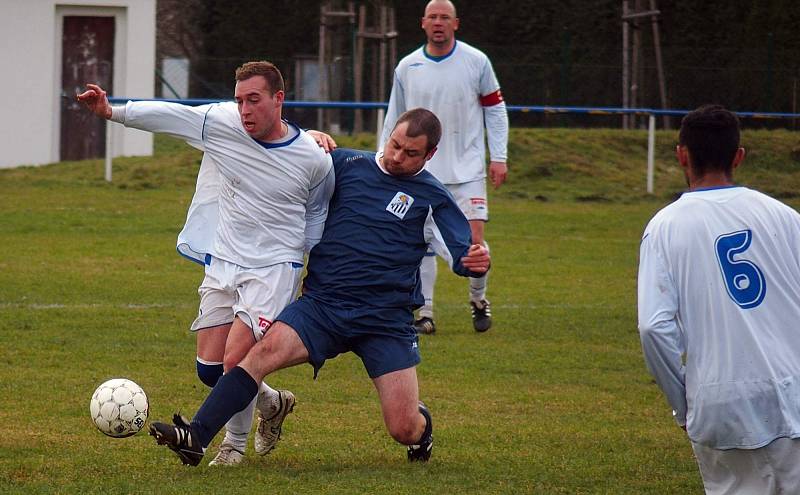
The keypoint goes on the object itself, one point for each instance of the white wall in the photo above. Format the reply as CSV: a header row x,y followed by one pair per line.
x,y
30,37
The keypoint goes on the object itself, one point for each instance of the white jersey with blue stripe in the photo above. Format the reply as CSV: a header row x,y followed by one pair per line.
x,y
451,87
255,203
377,232
719,315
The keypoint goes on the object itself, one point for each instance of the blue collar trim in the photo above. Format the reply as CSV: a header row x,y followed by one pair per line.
x,y
713,188
282,143
438,59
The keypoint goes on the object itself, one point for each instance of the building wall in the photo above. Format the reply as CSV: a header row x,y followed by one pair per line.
x,y
30,90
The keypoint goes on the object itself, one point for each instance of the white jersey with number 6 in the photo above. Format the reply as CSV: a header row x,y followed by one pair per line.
x,y
719,315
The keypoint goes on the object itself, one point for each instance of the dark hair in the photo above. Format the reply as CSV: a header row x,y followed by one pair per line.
x,y
421,121
711,133
262,68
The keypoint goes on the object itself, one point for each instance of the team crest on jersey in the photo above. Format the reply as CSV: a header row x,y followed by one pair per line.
x,y
400,204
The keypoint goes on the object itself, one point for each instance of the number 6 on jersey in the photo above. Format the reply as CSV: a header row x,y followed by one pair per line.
x,y
743,279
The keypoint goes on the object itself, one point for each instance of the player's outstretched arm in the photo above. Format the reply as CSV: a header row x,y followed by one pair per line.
x,y
477,259
96,101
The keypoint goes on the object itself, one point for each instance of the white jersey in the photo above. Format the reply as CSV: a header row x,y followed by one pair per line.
x,y
451,87
255,203
719,282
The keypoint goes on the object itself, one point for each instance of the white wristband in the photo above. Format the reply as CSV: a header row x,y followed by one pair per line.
x,y
118,114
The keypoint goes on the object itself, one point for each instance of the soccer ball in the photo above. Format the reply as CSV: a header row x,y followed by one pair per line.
x,y
119,408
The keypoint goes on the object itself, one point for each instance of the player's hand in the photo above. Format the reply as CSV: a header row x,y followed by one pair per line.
x,y
324,141
96,100
477,259
497,173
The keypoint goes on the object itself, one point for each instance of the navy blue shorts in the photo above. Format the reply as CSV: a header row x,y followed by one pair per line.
x,y
385,340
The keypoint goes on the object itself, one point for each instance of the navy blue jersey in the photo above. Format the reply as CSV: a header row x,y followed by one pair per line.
x,y
377,232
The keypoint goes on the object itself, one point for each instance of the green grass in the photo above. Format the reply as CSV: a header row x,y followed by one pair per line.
x,y
554,399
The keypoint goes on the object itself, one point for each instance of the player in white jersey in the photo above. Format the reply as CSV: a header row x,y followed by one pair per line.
x,y
719,306
457,83
260,203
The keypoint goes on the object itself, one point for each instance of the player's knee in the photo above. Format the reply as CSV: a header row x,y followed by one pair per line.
x,y
404,433
405,429
233,357
209,373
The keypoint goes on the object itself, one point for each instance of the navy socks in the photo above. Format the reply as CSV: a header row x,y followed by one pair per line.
x,y
233,392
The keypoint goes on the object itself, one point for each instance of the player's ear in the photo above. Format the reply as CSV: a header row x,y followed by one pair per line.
x,y
279,97
738,158
682,154
431,153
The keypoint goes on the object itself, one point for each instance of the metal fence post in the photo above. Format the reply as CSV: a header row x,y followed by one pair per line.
x,y
651,152
109,150
381,115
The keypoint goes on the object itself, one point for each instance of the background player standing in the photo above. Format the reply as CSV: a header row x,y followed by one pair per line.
x,y
456,82
719,283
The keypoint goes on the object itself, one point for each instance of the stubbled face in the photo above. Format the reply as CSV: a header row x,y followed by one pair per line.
x,y
440,24
259,108
404,156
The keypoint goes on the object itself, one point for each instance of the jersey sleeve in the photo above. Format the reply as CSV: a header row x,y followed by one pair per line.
x,y
180,121
447,231
397,105
494,114
496,120
662,341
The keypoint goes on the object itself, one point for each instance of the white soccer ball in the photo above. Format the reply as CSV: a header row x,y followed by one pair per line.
x,y
119,407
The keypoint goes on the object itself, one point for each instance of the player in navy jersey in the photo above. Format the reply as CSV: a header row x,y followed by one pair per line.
x,y
719,306
360,292
456,82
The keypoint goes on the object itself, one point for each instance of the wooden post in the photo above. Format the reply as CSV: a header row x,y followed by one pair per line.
x,y
358,123
321,66
651,151
383,48
662,85
635,62
794,103
625,64
392,42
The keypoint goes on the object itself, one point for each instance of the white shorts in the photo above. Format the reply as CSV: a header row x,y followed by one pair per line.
x,y
255,295
471,199
769,469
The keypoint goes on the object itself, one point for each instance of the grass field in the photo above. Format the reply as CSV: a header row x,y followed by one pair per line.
x,y
554,399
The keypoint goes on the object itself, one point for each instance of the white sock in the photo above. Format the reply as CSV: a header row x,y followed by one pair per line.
x,y
270,393
427,273
266,389
477,286
238,427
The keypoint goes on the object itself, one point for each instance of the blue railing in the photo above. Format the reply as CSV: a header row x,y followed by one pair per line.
x,y
652,113
374,105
